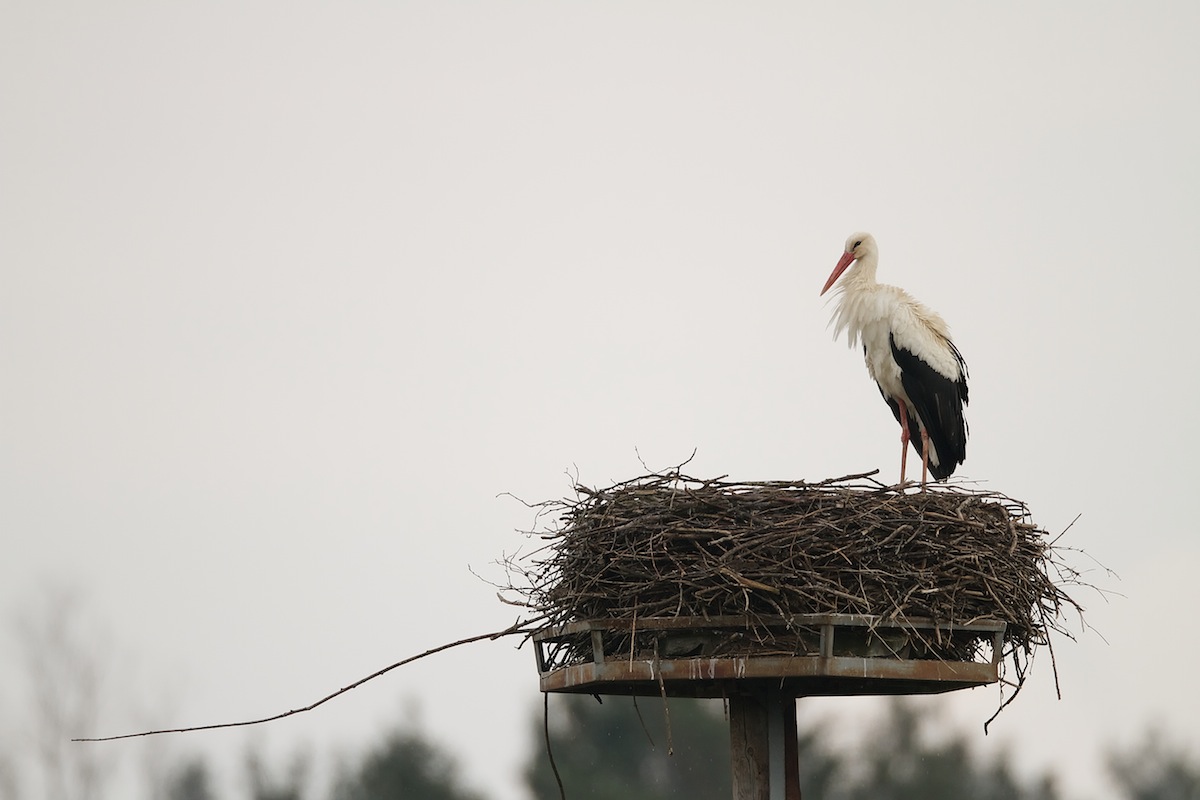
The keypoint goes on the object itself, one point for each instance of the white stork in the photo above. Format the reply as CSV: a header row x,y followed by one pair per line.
x,y
920,372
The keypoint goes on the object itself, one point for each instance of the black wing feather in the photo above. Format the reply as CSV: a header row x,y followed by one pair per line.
x,y
938,401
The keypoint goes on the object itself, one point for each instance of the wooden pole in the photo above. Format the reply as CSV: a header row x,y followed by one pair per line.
x,y
763,746
749,747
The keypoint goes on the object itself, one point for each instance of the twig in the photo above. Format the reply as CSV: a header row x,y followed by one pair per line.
x,y
1064,530
662,688
520,626
562,793
642,722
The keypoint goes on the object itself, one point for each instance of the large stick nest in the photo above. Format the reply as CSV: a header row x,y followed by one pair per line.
x,y
668,545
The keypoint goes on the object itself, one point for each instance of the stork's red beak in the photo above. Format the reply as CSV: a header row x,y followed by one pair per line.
x,y
838,270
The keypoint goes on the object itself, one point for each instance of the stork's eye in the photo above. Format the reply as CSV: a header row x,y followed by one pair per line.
x,y
856,244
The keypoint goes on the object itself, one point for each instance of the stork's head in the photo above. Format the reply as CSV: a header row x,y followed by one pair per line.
x,y
859,246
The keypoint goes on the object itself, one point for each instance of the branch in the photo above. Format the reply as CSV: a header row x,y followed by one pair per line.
x,y
515,628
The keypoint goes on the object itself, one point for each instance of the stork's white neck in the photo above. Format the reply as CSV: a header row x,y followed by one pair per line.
x,y
861,272
858,306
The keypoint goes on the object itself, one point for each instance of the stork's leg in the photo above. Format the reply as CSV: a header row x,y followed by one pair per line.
x,y
924,458
903,439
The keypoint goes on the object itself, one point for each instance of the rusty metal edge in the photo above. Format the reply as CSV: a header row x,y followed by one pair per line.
x,y
933,676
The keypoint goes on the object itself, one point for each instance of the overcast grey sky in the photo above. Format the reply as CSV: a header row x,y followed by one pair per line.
x,y
292,291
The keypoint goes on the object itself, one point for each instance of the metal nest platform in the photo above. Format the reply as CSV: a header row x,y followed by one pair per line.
x,y
798,656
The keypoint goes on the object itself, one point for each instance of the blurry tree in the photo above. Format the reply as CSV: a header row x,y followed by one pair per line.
x,y
1156,770
603,751
192,781
8,778
406,765
264,785
67,666
898,763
